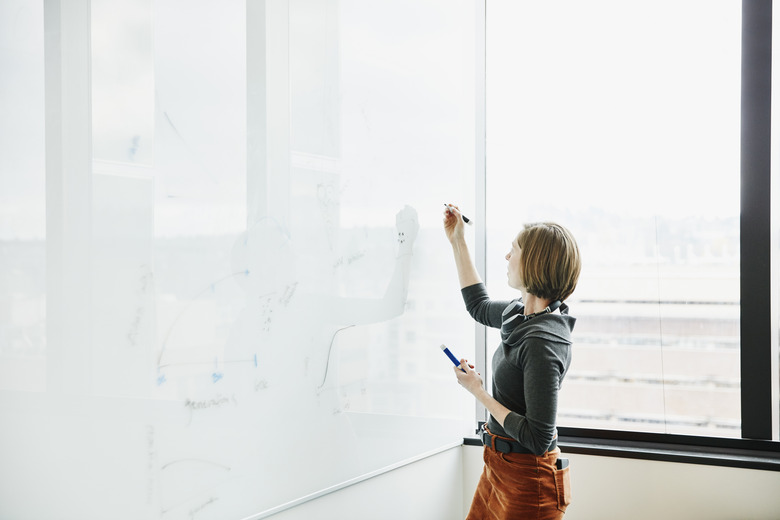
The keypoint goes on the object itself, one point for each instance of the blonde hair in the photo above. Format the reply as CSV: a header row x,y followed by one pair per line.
x,y
550,263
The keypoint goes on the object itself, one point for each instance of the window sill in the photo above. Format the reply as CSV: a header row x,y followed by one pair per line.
x,y
767,459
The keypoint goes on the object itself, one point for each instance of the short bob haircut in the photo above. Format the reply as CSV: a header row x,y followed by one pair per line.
x,y
550,263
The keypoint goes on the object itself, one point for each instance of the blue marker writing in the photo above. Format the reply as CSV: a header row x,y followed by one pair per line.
x,y
449,355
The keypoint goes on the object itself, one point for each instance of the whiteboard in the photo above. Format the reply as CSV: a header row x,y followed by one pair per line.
x,y
268,282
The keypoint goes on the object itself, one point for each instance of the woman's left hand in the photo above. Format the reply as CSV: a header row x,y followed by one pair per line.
x,y
470,379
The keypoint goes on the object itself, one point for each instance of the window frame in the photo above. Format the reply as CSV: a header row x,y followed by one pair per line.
x,y
755,223
756,448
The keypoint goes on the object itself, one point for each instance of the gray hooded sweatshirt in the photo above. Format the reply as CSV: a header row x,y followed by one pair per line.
x,y
528,366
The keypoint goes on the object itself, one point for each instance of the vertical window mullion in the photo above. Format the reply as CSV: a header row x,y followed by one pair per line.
x,y
480,181
755,243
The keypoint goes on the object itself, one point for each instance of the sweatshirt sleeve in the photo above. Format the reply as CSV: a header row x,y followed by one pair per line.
x,y
542,371
481,307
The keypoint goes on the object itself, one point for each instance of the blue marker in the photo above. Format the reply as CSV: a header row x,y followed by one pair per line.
x,y
449,355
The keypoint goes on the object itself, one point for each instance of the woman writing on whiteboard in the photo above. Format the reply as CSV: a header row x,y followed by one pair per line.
x,y
522,478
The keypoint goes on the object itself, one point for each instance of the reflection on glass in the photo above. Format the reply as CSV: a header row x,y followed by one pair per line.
x,y
22,199
301,294
122,81
262,278
631,141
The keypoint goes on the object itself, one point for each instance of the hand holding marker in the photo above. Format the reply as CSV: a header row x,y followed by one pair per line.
x,y
467,220
453,358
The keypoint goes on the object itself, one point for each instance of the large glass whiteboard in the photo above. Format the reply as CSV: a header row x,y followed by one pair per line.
x,y
268,283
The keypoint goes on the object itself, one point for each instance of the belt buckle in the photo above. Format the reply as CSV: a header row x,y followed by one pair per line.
x,y
493,441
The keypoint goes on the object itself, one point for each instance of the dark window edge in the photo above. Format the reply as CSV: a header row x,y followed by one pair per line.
x,y
710,451
673,453
756,309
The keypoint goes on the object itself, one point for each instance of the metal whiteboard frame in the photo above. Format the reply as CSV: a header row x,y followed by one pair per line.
x,y
480,181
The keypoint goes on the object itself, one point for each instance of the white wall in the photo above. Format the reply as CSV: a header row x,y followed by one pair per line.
x,y
604,488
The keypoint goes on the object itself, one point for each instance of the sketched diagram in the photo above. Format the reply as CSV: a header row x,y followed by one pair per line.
x,y
269,370
288,325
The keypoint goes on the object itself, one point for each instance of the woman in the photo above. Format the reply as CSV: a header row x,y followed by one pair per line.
x,y
521,478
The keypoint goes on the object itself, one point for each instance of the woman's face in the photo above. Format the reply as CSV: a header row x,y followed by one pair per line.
x,y
513,271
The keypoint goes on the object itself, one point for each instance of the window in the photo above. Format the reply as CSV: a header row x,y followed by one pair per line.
x,y
622,122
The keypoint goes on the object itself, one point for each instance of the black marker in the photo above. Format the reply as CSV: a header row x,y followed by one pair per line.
x,y
467,220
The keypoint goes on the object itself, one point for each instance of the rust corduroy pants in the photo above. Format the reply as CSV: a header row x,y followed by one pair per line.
x,y
521,486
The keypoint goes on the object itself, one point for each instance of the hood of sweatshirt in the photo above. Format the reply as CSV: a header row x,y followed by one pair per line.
x,y
554,328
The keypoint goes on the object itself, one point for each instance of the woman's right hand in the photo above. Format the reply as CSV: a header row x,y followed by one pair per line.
x,y
453,223
453,228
